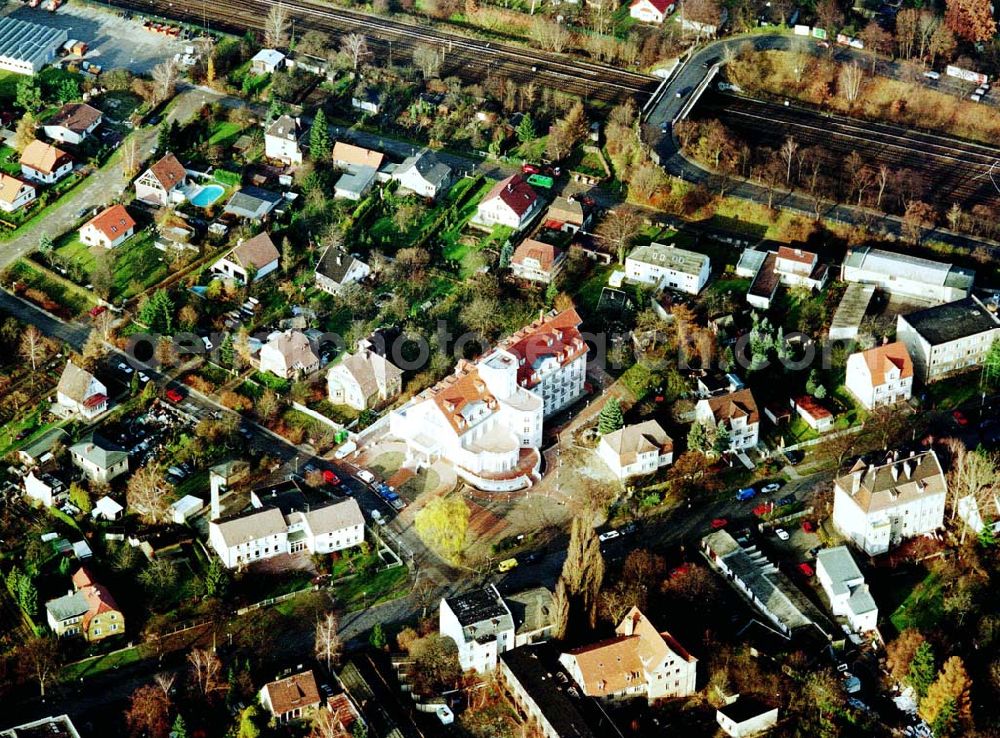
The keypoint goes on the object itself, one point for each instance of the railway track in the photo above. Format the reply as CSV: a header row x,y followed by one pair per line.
x,y
954,170
468,58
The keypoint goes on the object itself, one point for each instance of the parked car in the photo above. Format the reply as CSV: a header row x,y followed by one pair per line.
x,y
806,569
960,418
762,509
932,75
330,478
125,368
782,534
795,457
366,476
770,487
719,523
808,527
506,565
377,517
608,535
786,500
680,570
96,310
530,169
747,493
173,395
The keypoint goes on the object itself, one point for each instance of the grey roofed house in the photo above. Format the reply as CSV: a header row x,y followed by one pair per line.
x,y
531,609
628,442
840,565
50,727
253,203
681,260
251,525
424,165
952,321
285,127
68,606
337,268
851,311
355,183
481,613
256,252
99,452
31,453
373,372
334,516
894,483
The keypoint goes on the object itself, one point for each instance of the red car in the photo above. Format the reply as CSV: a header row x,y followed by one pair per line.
x,y
96,310
719,523
680,570
960,418
530,169
174,396
330,478
762,509
808,527
806,569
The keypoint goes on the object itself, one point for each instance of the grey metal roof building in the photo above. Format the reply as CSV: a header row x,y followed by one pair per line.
x,y
908,276
27,47
50,727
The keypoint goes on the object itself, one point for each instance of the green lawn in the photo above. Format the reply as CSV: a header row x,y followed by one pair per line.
x,y
10,161
8,85
224,133
588,294
923,607
119,104
75,299
137,263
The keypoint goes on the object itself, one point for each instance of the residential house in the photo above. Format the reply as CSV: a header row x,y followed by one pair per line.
x,y
737,413
423,174
511,202
651,11
107,508
948,339
664,266
89,610
257,256
80,392
534,615
566,215
98,459
815,415
267,61
40,449
767,588
43,162
536,261
636,449
788,265
281,140
253,203
163,183
639,661
877,507
845,587
355,183
45,488
15,194
337,269
542,691
363,380
348,156
486,419
293,698
880,376
288,355
903,275
269,531
480,624
745,717
73,123
50,727
110,228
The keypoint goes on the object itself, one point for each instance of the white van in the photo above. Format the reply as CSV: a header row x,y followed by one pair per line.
x,y
366,476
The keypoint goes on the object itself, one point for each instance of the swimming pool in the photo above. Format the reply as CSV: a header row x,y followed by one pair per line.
x,y
207,195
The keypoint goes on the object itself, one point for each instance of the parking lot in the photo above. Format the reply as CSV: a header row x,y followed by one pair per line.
x,y
114,41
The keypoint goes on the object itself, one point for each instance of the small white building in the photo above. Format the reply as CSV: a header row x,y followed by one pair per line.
x,y
814,413
845,587
27,47
45,488
636,449
664,266
737,413
480,624
257,255
281,140
355,183
110,228
81,392
288,355
43,162
73,123
423,174
877,507
185,508
267,61
880,376
651,11
511,202
15,194
107,508
745,716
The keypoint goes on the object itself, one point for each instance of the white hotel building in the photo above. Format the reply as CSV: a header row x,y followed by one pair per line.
x,y
486,418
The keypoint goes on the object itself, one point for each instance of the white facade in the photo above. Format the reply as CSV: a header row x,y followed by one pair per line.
x,y
907,276
738,721
480,624
646,11
737,412
845,587
880,376
48,177
92,236
636,450
267,61
288,354
43,488
512,202
281,141
949,338
878,507
15,194
27,47
667,267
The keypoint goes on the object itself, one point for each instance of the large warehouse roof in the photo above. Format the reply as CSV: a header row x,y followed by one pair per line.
x,y
28,42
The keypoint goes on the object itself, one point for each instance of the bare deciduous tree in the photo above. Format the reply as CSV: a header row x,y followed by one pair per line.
x,y
327,645
130,157
619,228
206,671
276,26
973,475
164,80
146,495
165,681
355,47
38,659
33,347
851,77
428,59
787,152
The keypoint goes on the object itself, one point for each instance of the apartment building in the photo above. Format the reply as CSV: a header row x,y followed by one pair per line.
x,y
664,266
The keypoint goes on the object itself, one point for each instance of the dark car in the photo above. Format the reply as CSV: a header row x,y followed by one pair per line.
x,y
795,457
787,500
533,558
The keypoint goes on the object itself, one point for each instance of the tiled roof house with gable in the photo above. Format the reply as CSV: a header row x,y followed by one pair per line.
x,y
639,660
423,174
293,698
257,255
636,449
337,269
89,610
109,228
876,507
737,412
511,202
81,392
288,354
73,123
15,194
880,376
43,162
163,182
281,140
486,418
537,261
651,11
363,380
100,460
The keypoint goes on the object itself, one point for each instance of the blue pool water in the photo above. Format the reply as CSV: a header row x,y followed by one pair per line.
x,y
207,195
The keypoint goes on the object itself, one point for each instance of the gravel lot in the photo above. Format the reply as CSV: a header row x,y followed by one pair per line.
x,y
114,42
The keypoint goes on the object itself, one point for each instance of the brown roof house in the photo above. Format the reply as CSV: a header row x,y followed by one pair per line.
x,y
80,392
363,380
163,183
877,507
636,449
813,412
639,660
512,202
15,194
347,156
737,413
89,610
43,162
292,698
880,376
257,256
566,215
288,354
537,261
110,228
73,123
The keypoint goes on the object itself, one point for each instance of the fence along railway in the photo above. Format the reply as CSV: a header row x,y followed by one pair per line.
x,y
465,57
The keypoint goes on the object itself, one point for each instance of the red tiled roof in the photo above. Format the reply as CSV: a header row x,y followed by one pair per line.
x,y
455,396
113,222
660,5
544,253
558,335
297,691
515,192
880,358
43,157
811,407
168,171
793,254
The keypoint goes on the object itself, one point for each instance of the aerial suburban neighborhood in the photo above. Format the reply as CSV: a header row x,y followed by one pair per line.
x,y
499,369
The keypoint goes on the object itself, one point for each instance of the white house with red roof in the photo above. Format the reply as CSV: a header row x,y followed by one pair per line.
x,y
14,193
163,183
537,261
880,376
651,11
110,228
486,418
512,202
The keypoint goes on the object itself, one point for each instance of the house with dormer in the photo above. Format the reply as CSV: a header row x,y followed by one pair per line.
x,y
880,376
15,194
109,228
640,660
80,392
511,202
163,183
89,610
737,413
281,140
